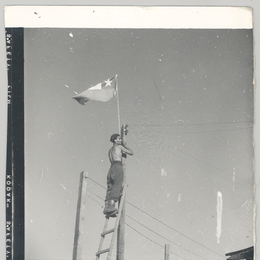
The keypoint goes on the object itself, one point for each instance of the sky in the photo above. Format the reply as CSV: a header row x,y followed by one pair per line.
x,y
187,96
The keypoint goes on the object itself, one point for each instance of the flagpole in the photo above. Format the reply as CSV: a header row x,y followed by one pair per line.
x,y
118,111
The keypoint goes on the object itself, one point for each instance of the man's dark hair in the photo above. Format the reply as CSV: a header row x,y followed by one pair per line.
x,y
113,137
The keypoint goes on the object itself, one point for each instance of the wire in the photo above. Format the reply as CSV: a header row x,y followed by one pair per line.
x,y
216,168
213,131
94,199
165,238
148,229
173,229
152,240
96,183
194,124
161,222
204,131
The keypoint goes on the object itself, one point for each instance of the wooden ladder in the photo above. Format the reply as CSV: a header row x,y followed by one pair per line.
x,y
106,232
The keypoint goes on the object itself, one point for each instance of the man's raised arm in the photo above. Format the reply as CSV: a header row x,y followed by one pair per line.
x,y
126,149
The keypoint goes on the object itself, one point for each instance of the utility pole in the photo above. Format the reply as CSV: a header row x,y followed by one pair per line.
x,y
121,227
167,252
80,216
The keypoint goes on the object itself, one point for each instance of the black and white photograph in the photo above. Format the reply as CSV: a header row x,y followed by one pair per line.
x,y
137,139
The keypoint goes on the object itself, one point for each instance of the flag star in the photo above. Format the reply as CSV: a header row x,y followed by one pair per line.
x,y
108,82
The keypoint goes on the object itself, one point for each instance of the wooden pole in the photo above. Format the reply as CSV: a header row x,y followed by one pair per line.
x,y
78,238
118,219
121,227
167,252
121,234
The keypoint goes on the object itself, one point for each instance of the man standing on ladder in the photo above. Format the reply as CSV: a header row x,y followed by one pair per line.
x,y
115,174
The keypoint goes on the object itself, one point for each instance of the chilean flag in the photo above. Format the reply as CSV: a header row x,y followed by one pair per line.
x,y
103,92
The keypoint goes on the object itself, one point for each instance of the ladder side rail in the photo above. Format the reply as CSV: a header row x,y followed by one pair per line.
x,y
102,238
117,223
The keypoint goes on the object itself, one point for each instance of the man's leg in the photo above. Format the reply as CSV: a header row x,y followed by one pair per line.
x,y
116,179
110,208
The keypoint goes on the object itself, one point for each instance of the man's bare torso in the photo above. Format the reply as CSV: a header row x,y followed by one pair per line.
x,y
115,154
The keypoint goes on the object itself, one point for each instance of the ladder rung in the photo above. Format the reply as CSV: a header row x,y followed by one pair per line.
x,y
107,232
102,252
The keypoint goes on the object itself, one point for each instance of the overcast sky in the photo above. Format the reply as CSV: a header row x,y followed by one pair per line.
x,y
187,96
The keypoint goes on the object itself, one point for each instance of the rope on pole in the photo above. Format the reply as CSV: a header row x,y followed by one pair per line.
x,y
118,107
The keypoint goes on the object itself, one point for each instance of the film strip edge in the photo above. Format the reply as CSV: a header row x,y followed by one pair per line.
x,y
9,172
15,145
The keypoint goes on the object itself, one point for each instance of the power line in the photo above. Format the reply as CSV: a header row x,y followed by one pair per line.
x,y
173,229
144,235
138,231
161,222
212,131
96,183
137,222
165,238
214,168
150,229
153,241
190,124
166,144
207,131
93,198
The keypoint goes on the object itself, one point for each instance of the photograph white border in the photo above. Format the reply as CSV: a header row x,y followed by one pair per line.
x,y
254,4
128,17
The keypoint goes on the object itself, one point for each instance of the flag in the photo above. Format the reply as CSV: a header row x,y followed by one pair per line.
x,y
103,92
